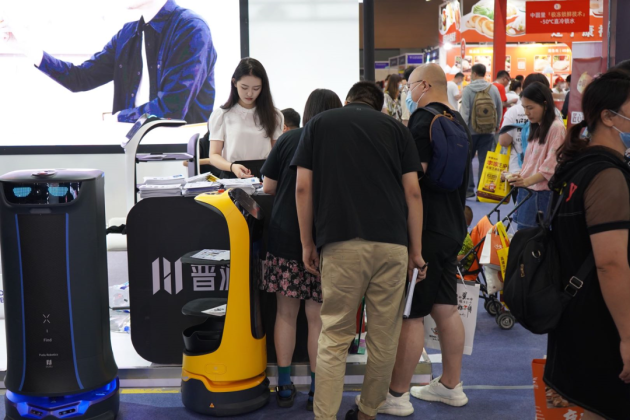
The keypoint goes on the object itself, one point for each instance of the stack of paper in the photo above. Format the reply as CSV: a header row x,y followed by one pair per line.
x,y
193,189
165,180
147,191
208,176
249,185
213,255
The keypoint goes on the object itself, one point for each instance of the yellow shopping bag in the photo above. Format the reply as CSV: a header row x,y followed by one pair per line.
x,y
491,188
503,252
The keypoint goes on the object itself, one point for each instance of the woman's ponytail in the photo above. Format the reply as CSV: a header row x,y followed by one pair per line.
x,y
576,141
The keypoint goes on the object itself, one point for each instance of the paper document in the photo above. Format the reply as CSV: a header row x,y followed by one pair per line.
x,y
410,288
213,255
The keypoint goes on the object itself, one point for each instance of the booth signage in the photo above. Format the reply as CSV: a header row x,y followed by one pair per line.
x,y
557,16
463,48
415,59
393,62
585,70
381,65
449,22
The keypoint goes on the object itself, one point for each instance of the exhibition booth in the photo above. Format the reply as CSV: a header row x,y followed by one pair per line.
x,y
151,283
175,300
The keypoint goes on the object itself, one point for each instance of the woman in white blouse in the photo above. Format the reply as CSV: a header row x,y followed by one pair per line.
x,y
248,125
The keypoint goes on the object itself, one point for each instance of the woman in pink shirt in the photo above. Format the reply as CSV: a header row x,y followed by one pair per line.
x,y
546,135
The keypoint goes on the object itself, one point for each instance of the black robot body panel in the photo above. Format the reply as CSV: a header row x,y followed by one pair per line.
x,y
54,266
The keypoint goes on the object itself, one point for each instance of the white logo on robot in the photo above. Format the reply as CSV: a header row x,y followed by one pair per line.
x,y
205,278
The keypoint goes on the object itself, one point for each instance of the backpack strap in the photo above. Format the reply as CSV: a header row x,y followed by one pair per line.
x,y
446,114
576,282
507,128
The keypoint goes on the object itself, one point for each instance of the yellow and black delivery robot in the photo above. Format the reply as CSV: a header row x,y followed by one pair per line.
x,y
225,357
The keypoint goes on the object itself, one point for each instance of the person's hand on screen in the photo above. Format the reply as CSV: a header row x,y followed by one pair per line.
x,y
311,259
10,31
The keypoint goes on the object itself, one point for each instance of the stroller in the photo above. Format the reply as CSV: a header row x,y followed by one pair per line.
x,y
475,272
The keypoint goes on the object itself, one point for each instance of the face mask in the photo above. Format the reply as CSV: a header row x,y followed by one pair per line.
x,y
411,105
400,86
625,137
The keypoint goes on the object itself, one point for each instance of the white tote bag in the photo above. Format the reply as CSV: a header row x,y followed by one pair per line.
x,y
467,300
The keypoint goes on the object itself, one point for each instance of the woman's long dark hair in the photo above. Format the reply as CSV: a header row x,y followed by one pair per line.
x,y
392,86
266,114
607,92
541,94
318,101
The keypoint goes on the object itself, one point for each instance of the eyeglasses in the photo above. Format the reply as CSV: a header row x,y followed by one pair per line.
x,y
419,81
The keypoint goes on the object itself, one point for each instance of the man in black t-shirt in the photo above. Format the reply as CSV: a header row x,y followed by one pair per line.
x,y
357,178
443,235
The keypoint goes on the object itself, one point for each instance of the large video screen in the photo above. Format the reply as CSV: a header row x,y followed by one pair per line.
x,y
106,62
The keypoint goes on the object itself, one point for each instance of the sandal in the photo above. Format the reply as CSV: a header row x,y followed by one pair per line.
x,y
309,402
288,401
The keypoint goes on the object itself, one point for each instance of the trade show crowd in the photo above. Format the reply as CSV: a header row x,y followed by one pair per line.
x,y
373,188
364,198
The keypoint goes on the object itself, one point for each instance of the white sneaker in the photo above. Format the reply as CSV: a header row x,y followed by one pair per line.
x,y
435,391
395,406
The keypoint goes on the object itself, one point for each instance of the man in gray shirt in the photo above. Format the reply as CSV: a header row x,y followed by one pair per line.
x,y
481,143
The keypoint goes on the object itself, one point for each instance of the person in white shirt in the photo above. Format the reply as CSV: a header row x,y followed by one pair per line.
x,y
453,90
514,94
516,115
248,125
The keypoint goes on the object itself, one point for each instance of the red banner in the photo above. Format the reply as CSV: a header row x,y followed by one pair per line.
x,y
584,70
557,16
450,20
478,25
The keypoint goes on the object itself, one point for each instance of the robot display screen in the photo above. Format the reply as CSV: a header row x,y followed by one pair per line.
x,y
42,193
81,72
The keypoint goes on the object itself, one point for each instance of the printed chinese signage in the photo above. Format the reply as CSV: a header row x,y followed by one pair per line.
x,y
557,16
549,404
478,24
450,19
584,69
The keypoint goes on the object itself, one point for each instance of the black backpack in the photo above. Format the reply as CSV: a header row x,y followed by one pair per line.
x,y
534,289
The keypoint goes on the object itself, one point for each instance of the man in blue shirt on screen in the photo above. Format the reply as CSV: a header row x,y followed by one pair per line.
x,y
162,64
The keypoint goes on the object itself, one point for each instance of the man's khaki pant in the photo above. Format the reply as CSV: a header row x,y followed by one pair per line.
x,y
351,270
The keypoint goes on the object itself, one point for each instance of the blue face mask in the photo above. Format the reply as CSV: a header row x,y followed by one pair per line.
x,y
411,105
625,137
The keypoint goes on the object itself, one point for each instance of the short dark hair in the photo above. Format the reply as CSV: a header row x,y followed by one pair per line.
x,y
407,73
479,70
520,78
460,74
367,92
622,66
320,100
291,118
502,73
569,79
535,77
515,84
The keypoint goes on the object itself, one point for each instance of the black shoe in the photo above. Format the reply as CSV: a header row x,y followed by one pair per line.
x,y
470,194
309,402
288,401
353,414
